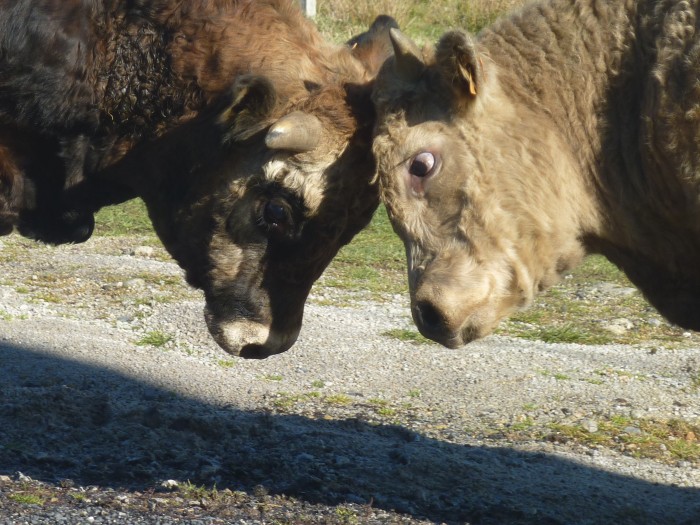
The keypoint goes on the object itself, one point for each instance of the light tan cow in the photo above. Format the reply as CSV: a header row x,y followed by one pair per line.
x,y
568,127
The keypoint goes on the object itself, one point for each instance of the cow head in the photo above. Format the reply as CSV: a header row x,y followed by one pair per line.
x,y
255,198
463,173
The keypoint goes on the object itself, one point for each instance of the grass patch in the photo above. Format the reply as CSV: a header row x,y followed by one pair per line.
x,y
566,333
337,399
556,375
198,492
286,401
410,336
672,440
26,499
522,425
155,338
129,218
421,19
373,263
578,309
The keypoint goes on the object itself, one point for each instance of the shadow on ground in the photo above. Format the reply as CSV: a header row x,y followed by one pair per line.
x,y
67,420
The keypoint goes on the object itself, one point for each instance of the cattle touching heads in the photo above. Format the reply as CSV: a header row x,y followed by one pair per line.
x,y
454,158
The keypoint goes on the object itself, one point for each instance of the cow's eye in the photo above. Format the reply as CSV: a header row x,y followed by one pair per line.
x,y
276,214
422,164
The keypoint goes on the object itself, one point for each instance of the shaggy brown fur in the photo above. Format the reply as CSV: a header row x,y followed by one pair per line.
x,y
101,101
568,127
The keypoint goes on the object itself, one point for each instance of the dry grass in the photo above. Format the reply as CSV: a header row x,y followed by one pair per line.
x,y
422,19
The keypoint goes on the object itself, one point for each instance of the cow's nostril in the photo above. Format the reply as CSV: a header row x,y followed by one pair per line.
x,y
429,317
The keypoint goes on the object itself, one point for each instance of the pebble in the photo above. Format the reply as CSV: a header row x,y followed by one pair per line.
x,y
143,251
632,430
170,484
589,425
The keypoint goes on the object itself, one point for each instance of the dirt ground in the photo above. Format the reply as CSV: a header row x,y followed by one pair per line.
x,y
116,407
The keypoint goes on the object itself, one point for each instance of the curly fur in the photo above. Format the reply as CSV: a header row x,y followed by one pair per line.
x,y
89,80
583,137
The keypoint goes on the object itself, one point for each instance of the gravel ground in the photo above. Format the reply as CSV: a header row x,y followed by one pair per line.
x,y
117,407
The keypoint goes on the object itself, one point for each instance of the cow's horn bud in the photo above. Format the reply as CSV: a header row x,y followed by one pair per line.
x,y
297,131
409,59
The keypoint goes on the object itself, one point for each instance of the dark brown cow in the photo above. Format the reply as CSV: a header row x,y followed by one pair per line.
x,y
247,136
569,127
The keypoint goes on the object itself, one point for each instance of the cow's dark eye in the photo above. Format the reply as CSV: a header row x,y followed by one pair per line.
x,y
275,214
422,164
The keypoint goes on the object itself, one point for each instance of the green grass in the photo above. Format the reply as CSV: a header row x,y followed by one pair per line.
x,y
670,440
565,333
409,336
337,399
26,499
129,218
156,339
373,263
423,20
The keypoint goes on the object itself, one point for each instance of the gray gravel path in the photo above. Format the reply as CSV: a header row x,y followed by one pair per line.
x,y
350,426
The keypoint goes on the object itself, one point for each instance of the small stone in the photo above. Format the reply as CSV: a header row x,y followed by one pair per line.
x,y
632,430
589,425
143,251
170,484
620,326
24,479
135,283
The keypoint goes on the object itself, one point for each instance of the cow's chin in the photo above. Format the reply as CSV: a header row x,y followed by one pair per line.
x,y
248,339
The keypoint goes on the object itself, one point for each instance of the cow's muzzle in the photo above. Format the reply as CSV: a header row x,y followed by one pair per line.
x,y
248,339
435,325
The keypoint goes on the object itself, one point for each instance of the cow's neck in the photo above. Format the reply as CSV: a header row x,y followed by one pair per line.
x,y
170,60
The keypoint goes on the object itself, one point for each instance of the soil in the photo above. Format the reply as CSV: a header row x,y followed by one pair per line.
x,y
117,407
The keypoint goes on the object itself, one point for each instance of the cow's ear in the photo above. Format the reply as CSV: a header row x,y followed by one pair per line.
x,y
252,100
458,59
373,46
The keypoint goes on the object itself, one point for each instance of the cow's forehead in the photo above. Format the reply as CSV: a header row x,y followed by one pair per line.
x,y
308,183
